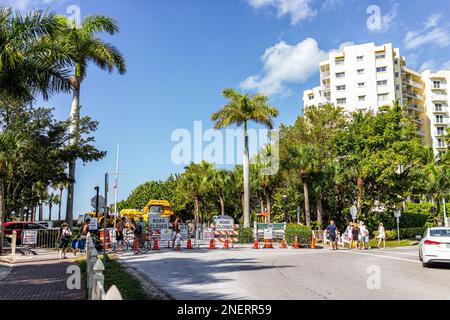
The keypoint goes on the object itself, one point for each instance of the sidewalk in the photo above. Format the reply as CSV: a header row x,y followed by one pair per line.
x,y
38,281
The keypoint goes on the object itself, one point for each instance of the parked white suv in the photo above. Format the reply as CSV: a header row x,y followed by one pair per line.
x,y
435,246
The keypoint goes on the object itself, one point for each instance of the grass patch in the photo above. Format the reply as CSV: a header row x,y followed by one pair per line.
x,y
393,243
116,274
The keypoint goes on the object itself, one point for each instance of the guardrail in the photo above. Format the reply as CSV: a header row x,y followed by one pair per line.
x,y
95,278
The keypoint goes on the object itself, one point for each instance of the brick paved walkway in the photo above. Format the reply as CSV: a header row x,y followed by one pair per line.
x,y
38,281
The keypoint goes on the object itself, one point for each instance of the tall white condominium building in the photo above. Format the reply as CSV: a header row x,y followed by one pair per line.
x,y
366,77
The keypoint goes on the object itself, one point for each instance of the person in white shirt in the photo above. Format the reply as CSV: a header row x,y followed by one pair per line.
x,y
364,236
381,236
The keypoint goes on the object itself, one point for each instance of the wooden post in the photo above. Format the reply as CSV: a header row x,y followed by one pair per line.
x,y
13,246
98,279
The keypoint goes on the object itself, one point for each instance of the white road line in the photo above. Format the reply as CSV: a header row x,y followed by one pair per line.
x,y
381,256
401,253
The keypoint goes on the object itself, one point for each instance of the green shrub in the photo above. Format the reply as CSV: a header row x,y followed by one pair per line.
x,y
245,235
303,233
405,233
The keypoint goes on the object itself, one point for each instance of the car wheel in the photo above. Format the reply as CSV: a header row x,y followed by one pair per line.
x,y
420,256
425,265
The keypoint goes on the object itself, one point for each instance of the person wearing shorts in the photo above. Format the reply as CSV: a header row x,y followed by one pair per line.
x,y
64,239
364,236
381,236
332,232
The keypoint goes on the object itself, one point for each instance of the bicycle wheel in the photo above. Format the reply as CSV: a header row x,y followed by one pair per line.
x,y
120,248
144,247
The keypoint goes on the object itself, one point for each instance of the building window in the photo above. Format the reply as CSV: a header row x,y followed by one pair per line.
x,y
440,131
397,74
340,88
383,96
339,61
438,107
360,71
362,98
361,85
340,75
440,143
382,83
439,119
436,84
381,69
311,97
397,87
380,56
360,58
341,101
396,61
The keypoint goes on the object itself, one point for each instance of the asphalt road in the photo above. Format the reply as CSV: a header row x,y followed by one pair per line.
x,y
294,274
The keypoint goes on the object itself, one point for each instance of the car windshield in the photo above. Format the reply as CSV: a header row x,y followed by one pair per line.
x,y
440,233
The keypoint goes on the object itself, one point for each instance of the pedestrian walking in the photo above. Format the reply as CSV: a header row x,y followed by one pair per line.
x,y
332,231
355,236
381,236
348,234
64,236
364,236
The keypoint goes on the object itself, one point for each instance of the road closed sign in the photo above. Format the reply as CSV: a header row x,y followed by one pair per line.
x,y
157,223
29,237
224,223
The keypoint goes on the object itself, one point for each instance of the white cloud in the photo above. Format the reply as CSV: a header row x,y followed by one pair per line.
x,y
285,63
24,5
446,65
298,10
432,34
428,65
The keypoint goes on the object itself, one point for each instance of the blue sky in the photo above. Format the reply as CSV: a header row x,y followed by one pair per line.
x,y
182,54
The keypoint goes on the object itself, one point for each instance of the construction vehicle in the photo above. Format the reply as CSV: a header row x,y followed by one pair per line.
x,y
156,207
109,222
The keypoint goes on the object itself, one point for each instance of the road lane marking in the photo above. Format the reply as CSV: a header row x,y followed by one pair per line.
x,y
401,253
381,256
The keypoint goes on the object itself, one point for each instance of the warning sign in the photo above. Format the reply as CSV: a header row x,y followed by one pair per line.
x,y
29,237
157,223
224,224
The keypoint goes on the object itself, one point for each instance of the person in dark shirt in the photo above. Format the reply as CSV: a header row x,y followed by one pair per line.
x,y
332,232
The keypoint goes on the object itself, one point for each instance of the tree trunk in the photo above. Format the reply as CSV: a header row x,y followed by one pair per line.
x,y
73,130
59,204
319,209
2,213
246,170
50,212
196,208
222,204
269,209
41,212
307,209
360,195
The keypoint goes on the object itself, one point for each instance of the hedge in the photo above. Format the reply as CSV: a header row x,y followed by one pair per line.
x,y
245,235
303,233
405,233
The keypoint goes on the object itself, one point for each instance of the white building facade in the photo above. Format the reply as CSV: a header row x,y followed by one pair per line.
x,y
366,77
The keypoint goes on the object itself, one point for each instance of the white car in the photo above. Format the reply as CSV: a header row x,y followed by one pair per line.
x,y
435,246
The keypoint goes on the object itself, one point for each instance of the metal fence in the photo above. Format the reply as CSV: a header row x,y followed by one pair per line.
x,y
36,241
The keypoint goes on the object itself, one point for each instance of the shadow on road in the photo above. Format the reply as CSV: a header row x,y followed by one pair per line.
x,y
184,277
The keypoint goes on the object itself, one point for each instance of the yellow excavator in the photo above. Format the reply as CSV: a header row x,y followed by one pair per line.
x,y
109,222
156,207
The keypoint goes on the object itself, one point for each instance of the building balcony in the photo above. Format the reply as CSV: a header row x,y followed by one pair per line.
x,y
325,75
421,132
440,110
439,97
441,87
413,95
418,121
413,83
415,107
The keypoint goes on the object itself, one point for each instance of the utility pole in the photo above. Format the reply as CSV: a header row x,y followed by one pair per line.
x,y
105,216
116,185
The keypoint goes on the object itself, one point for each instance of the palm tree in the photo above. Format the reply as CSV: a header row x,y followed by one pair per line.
x,y
240,110
51,200
9,144
194,181
31,60
84,47
220,180
61,187
302,159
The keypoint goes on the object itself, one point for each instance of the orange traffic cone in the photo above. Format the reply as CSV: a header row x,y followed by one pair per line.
x,y
255,244
226,245
156,245
189,245
283,244
296,246
212,244
313,242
